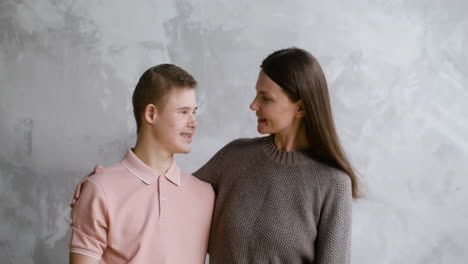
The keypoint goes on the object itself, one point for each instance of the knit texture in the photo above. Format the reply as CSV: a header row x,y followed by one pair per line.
x,y
274,206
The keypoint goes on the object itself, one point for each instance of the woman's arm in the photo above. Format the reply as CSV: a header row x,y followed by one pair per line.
x,y
333,243
80,185
211,171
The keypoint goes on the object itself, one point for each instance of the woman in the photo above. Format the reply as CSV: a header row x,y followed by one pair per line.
x,y
286,197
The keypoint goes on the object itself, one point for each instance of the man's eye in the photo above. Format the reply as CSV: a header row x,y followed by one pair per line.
x,y
184,112
266,99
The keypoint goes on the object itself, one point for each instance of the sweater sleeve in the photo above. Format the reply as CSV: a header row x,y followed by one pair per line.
x,y
210,172
333,243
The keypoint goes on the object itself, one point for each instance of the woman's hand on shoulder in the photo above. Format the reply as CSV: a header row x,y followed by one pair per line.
x,y
80,185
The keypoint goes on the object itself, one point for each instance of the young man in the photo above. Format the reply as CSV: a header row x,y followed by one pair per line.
x,y
145,209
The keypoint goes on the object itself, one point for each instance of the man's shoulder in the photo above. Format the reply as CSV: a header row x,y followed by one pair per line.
x,y
196,185
108,176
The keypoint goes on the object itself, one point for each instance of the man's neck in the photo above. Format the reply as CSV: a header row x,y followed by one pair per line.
x,y
153,155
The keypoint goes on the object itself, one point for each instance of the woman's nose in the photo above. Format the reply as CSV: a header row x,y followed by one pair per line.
x,y
254,106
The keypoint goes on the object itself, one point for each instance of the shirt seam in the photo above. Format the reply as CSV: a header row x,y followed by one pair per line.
x,y
319,190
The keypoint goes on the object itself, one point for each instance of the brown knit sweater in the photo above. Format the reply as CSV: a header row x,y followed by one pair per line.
x,y
274,206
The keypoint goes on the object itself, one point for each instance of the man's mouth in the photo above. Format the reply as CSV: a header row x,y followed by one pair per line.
x,y
187,135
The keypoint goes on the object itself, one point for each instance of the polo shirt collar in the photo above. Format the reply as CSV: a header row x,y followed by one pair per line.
x,y
149,176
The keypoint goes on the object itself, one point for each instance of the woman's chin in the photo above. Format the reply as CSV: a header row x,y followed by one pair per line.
x,y
262,130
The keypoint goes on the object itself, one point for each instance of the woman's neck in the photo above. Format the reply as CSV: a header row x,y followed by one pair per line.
x,y
294,138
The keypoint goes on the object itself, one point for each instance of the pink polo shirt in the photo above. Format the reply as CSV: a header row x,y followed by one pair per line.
x,y
129,214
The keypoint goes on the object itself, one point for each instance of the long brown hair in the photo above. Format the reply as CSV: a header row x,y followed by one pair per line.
x,y
299,74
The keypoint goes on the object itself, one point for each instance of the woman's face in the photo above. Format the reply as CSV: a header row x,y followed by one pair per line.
x,y
276,113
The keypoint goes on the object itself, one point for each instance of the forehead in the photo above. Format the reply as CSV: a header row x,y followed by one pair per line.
x,y
267,85
180,96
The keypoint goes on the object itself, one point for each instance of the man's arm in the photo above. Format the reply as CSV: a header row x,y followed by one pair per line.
x,y
76,258
89,225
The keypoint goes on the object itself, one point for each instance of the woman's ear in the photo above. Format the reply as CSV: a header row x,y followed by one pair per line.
x,y
300,111
151,113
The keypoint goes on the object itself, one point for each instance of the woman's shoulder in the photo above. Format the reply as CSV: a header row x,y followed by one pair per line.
x,y
241,148
243,143
330,177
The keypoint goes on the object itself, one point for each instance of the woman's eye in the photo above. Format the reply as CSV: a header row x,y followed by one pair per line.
x,y
265,99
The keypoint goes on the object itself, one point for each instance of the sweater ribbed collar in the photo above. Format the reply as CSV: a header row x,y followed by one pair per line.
x,y
282,156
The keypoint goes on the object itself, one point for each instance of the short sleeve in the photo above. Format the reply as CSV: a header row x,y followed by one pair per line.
x,y
90,222
333,243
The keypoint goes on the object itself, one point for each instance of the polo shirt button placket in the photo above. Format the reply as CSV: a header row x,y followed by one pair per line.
x,y
162,198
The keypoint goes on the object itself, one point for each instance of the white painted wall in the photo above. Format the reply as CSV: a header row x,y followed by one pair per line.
x,y
398,76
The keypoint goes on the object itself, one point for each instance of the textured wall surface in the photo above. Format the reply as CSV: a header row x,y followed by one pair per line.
x,y
398,77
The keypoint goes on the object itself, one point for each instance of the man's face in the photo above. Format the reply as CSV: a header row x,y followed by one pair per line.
x,y
175,122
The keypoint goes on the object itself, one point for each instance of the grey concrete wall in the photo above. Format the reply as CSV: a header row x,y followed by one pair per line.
x,y
398,76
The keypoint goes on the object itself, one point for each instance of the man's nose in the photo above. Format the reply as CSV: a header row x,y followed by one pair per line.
x,y
193,122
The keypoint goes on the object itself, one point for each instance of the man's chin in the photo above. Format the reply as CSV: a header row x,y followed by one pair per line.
x,y
184,150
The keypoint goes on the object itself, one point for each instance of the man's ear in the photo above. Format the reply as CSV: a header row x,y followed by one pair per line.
x,y
300,111
151,113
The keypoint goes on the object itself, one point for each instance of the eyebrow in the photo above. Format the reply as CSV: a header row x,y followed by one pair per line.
x,y
265,93
187,108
